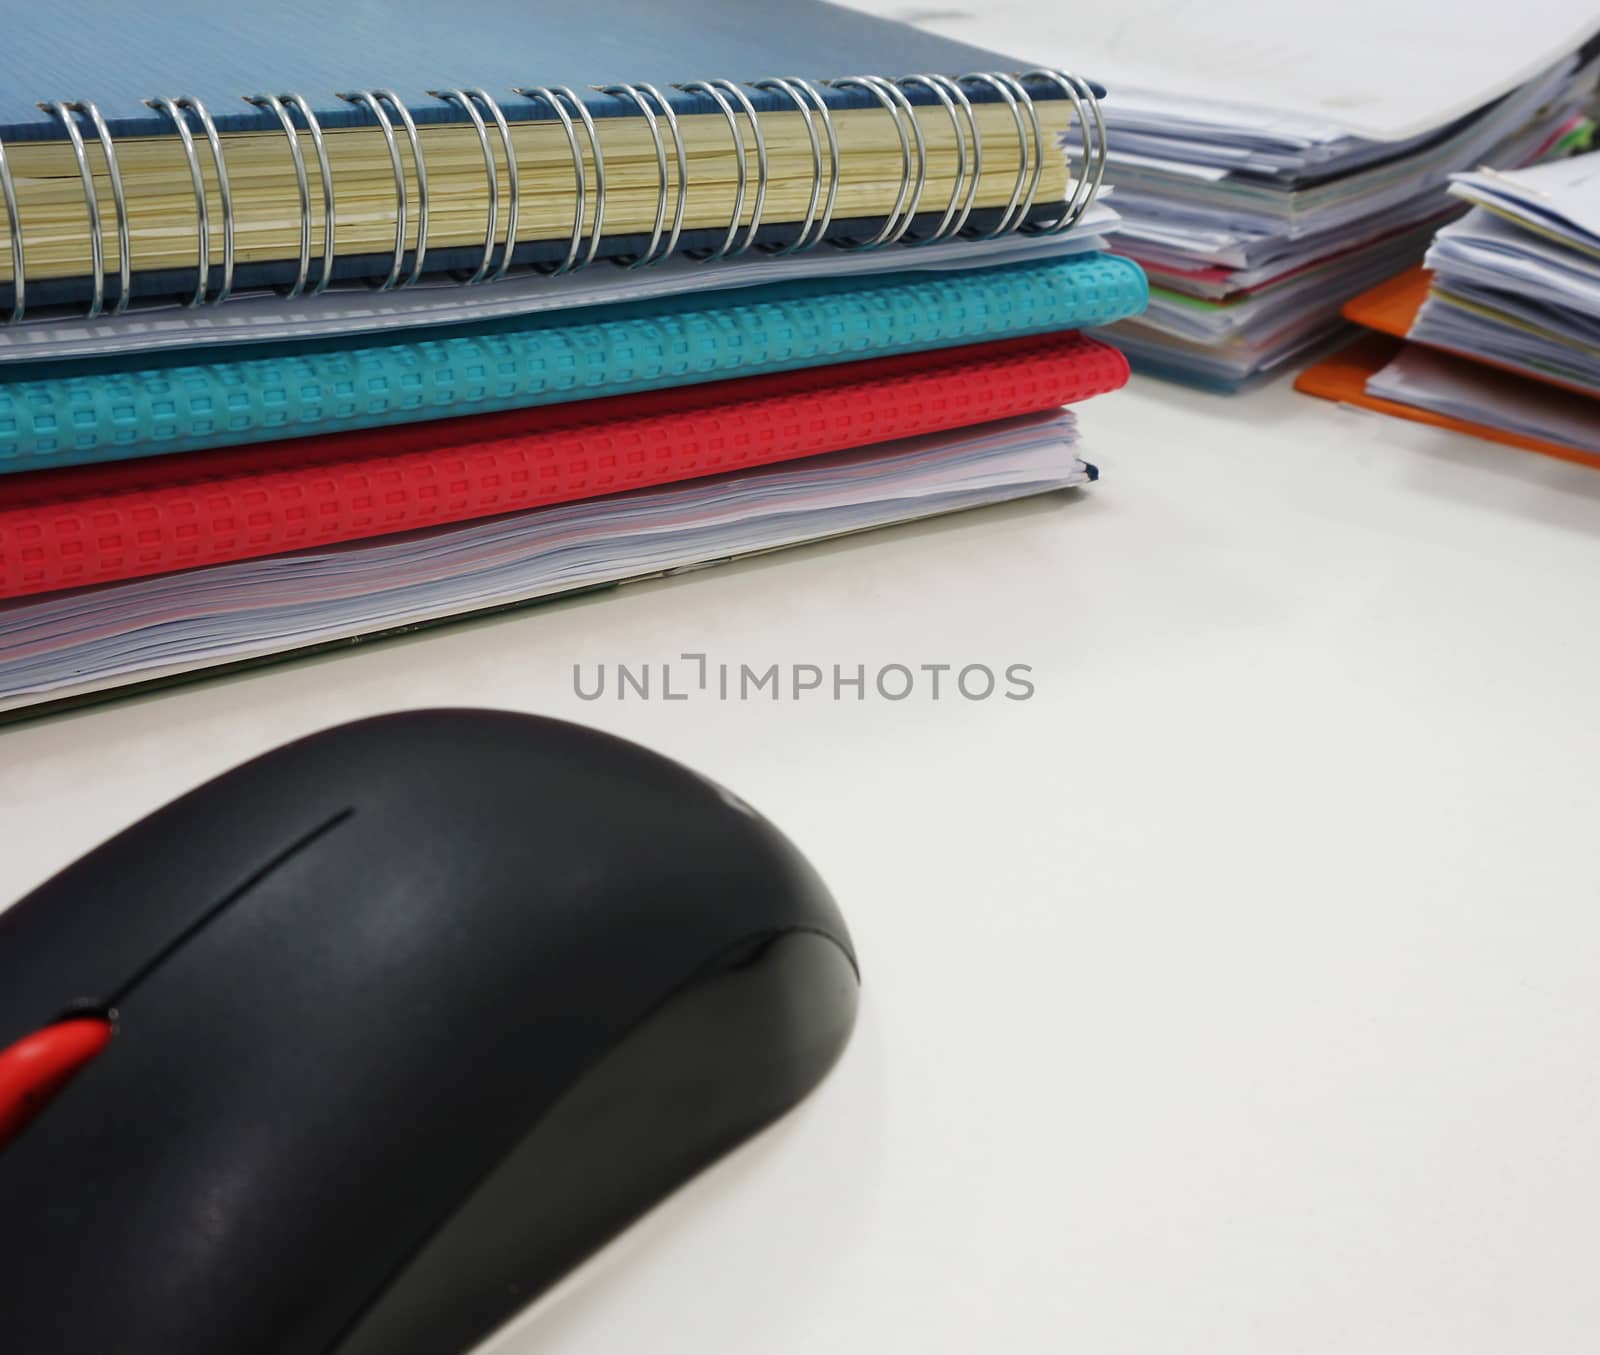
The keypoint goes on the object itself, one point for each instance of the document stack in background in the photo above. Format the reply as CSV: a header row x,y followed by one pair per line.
x,y
1269,163
291,369
1502,338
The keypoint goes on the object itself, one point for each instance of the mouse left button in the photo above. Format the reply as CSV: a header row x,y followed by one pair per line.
x,y
38,1066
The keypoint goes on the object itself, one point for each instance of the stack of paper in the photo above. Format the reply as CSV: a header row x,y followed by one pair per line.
x,y
58,648
1502,340
1268,166
1468,394
1517,281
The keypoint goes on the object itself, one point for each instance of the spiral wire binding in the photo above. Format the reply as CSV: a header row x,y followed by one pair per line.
x,y
278,105
1039,146
558,96
736,216
636,93
1015,209
19,266
800,90
1030,109
577,124
897,105
329,214
713,88
224,192
958,96
202,213
66,111
1095,148
762,169
378,102
945,229
469,99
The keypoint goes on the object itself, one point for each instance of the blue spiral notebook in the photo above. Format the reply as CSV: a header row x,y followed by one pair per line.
x,y
177,91
108,409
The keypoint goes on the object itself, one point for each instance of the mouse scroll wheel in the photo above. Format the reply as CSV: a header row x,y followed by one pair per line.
x,y
38,1066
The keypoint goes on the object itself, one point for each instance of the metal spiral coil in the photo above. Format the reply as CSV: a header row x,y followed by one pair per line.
x,y
19,265
654,251
279,105
713,89
67,112
558,97
807,100
1092,129
378,102
469,99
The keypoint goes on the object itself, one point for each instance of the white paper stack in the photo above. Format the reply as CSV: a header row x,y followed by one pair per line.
x,y
1517,280
1482,396
1270,162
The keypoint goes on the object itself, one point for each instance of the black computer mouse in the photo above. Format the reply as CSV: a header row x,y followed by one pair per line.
x,y
357,1048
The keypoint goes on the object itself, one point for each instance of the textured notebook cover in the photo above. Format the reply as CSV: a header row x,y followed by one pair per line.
x,y
111,408
1343,378
98,524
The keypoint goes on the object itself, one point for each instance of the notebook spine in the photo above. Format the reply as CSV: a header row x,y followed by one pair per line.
x,y
192,122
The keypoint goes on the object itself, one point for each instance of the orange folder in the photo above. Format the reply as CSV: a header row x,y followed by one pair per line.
x,y
1343,378
1391,306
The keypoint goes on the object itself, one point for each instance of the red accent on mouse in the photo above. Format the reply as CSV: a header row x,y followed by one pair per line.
x,y
38,1066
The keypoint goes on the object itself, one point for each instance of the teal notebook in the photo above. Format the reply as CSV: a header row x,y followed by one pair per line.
x,y
130,405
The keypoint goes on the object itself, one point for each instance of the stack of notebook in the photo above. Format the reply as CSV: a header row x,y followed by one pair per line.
x,y
1271,164
287,369
1500,335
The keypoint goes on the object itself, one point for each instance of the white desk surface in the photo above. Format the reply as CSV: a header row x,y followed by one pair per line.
x,y
1239,993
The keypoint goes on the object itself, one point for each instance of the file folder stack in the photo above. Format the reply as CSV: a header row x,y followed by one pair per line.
x,y
1502,338
1251,273
1516,282
1269,164
290,369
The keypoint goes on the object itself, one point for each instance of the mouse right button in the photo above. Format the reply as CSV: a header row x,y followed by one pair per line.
x,y
724,1057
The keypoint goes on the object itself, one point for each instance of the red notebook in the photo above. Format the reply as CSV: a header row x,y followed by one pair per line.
x,y
98,524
